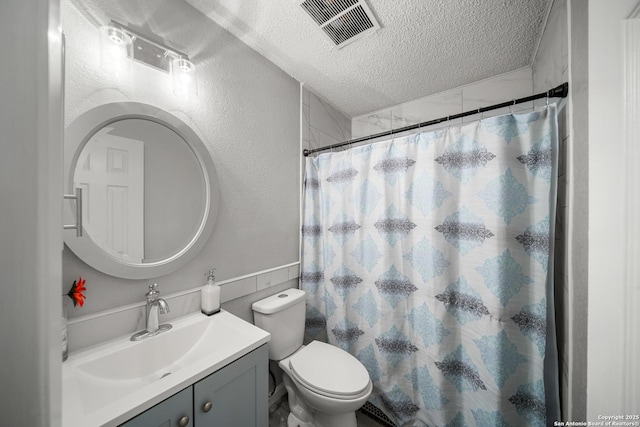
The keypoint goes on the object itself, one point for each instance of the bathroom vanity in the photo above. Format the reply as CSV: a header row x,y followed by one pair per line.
x,y
205,371
233,396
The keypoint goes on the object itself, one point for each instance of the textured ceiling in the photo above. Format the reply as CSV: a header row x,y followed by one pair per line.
x,y
423,47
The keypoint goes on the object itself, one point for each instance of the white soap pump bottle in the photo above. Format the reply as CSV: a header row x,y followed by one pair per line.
x,y
210,295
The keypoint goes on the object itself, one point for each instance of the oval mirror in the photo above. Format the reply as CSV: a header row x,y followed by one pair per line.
x,y
150,194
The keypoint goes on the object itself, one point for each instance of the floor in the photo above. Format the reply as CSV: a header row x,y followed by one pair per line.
x,y
278,414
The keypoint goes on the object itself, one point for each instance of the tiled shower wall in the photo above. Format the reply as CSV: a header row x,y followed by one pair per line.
x,y
321,123
501,88
550,68
562,57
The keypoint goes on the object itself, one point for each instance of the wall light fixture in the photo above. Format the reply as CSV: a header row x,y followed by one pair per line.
x,y
150,52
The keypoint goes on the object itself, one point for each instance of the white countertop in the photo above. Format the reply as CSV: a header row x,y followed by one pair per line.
x,y
113,382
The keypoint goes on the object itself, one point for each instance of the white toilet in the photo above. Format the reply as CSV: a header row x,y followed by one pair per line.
x,y
326,385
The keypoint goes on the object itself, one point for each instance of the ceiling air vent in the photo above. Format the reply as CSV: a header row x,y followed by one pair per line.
x,y
343,21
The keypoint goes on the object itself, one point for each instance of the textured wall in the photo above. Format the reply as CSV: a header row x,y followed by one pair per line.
x,y
247,114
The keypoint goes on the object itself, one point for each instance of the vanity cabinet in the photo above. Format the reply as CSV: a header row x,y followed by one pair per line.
x,y
234,396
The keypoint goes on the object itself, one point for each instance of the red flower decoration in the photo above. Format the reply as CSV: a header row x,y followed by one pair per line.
x,y
76,292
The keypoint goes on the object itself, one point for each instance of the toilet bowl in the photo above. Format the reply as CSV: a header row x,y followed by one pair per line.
x,y
325,384
330,381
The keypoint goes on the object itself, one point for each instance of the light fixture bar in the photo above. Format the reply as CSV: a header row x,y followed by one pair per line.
x,y
149,52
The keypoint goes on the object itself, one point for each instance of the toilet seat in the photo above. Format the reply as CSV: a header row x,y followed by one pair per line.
x,y
329,371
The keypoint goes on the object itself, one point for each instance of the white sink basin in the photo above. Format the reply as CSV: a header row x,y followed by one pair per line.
x,y
108,384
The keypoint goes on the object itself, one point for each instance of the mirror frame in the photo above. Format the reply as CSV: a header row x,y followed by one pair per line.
x,y
77,135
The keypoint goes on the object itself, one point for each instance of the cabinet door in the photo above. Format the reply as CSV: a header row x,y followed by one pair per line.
x,y
237,394
169,413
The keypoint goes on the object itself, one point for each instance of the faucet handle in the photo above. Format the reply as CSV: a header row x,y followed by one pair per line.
x,y
153,291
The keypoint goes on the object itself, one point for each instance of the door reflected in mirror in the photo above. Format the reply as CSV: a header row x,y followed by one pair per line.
x,y
144,190
151,192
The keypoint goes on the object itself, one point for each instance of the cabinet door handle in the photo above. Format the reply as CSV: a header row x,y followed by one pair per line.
x,y
183,422
207,406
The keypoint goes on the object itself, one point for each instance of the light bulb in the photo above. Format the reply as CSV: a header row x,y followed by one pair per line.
x,y
184,77
115,50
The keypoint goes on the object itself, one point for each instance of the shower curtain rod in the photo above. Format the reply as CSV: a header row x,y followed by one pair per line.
x,y
557,92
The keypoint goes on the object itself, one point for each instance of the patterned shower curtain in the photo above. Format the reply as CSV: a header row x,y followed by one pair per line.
x,y
428,257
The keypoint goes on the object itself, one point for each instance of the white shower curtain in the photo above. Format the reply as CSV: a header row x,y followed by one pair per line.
x,y
429,258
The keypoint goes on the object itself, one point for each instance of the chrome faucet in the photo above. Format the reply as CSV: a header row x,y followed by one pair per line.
x,y
155,307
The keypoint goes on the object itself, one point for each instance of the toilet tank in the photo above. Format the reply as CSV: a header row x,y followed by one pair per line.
x,y
283,316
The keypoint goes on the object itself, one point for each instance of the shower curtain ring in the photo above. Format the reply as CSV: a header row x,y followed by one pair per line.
x,y
547,99
481,114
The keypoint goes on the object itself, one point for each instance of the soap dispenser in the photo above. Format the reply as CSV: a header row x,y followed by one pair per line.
x,y
210,295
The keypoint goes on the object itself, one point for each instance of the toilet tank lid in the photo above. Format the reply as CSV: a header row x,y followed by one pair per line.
x,y
279,301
